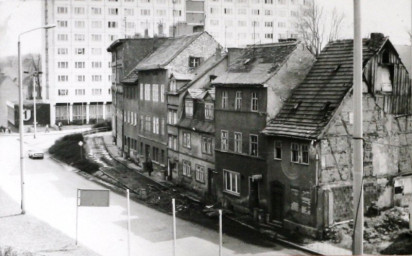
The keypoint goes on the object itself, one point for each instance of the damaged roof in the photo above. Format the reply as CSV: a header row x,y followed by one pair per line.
x,y
171,48
256,64
196,125
132,77
312,103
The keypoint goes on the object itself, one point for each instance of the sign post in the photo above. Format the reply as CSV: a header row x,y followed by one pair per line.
x,y
90,198
128,222
220,233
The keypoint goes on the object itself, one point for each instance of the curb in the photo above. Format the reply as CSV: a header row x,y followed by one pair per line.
x,y
282,241
125,165
279,240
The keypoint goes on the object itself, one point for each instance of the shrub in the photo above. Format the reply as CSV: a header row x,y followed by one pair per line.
x,y
106,124
67,150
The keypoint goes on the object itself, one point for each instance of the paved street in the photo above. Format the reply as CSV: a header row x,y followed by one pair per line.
x,y
51,197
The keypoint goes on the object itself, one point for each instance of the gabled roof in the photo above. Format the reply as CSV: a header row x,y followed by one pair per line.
x,y
256,64
182,77
169,50
312,103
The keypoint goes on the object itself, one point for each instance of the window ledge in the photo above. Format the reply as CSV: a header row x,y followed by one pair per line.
x,y
231,193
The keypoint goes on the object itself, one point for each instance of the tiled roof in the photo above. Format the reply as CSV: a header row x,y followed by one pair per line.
x,y
196,125
132,77
312,103
167,52
256,64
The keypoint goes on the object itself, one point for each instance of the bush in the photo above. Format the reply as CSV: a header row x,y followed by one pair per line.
x,y
67,150
105,124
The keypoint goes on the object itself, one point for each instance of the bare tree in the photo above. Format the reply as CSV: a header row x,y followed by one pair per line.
x,y
312,26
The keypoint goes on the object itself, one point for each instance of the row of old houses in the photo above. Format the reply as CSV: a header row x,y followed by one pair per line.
x,y
265,129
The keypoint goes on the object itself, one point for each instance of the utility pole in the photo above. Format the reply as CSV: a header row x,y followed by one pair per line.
x,y
357,242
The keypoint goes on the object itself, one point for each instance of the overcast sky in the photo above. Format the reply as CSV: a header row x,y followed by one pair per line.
x,y
391,17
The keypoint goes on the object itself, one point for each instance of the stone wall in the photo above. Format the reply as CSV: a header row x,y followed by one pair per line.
x,y
387,153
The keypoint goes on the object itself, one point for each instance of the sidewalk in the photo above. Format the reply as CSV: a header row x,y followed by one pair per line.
x,y
157,176
28,236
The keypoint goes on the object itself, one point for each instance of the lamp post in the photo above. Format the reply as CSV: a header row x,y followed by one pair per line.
x,y
23,211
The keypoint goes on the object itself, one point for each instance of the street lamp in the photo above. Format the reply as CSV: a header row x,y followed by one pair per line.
x,y
21,111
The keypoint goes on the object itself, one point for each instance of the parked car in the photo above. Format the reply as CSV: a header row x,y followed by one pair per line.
x,y
36,154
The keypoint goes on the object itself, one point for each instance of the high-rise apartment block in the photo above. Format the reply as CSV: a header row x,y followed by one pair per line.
x,y
236,23
77,66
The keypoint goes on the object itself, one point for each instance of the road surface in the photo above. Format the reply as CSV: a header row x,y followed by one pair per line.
x,y
51,197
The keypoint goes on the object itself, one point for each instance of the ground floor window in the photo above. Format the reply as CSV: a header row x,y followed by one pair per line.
x,y
186,168
200,173
232,181
62,112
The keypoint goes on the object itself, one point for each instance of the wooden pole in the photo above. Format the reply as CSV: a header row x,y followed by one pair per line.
x,y
128,222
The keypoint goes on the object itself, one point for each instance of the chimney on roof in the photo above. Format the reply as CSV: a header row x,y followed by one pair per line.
x,y
375,41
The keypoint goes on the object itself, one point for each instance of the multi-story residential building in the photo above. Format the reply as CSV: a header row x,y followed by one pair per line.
x,y
309,153
126,53
240,22
250,93
175,57
191,136
77,68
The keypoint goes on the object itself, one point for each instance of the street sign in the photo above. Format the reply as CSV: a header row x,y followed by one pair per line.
x,y
93,197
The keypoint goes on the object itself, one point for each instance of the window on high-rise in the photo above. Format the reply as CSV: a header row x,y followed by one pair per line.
x,y
96,64
62,37
79,51
62,64
62,51
145,12
79,37
79,24
128,11
96,78
62,10
96,37
62,23
113,11
80,92
81,78
79,10
112,24
63,78
79,64
96,11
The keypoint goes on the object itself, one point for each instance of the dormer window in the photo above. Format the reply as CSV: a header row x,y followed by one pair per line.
x,y
189,108
194,62
173,86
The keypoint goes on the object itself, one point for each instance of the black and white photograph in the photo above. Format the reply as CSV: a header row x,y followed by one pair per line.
x,y
205,127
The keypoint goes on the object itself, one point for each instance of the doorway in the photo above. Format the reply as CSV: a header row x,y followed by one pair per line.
x,y
277,200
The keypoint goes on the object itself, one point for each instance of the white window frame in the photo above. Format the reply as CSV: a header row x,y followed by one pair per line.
x,y
187,166
209,111
238,100
155,92
293,147
232,185
189,108
251,143
254,107
238,142
224,99
224,140
187,140
200,173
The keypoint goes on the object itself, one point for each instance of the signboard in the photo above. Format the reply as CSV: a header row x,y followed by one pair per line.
x,y
93,197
